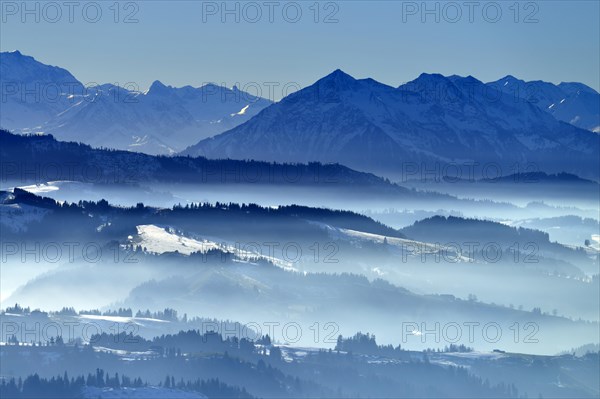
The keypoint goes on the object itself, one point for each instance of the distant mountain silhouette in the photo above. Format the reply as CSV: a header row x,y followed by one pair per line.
x,y
429,123
162,120
23,155
574,103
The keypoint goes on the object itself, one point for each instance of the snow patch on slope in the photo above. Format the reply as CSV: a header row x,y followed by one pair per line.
x,y
411,247
161,240
164,239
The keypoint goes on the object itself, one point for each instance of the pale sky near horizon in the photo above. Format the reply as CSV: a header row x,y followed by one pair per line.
x,y
296,43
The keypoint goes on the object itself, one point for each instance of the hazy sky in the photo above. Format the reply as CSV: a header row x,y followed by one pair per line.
x,y
193,42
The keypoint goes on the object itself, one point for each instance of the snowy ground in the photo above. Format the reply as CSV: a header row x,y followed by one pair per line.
x,y
595,244
43,188
161,240
126,355
411,247
464,359
475,355
121,319
296,353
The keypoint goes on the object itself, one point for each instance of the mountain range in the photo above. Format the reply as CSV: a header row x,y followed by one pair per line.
x,y
570,102
427,124
161,120
424,126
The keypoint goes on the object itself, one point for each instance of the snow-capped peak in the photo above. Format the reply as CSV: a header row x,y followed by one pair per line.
x,y
157,87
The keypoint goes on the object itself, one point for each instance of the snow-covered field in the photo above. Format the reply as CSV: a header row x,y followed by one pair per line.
x,y
596,242
476,355
161,240
42,188
121,319
411,247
